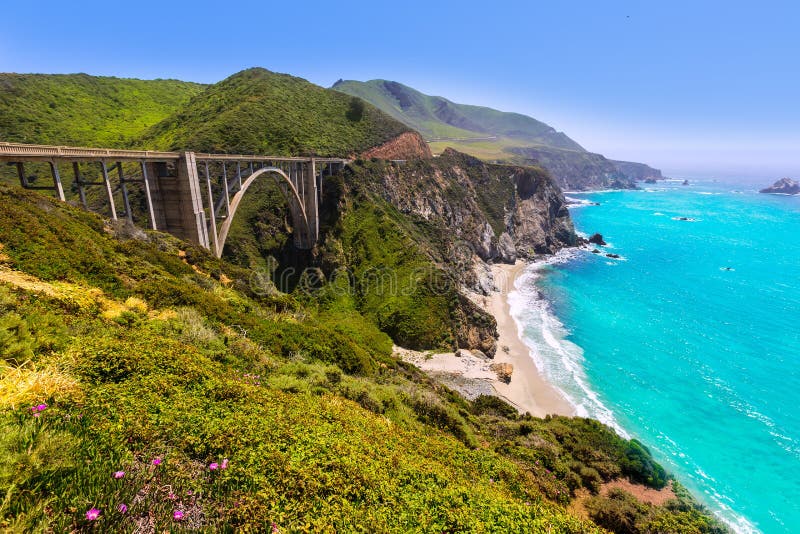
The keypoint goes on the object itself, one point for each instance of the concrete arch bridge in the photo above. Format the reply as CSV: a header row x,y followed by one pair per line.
x,y
191,195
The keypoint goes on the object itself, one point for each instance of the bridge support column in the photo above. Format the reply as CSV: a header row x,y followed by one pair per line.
x,y
177,200
311,201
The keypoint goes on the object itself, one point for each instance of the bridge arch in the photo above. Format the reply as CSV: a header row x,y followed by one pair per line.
x,y
297,207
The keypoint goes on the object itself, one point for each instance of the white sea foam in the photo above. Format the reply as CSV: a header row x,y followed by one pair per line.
x,y
561,362
557,358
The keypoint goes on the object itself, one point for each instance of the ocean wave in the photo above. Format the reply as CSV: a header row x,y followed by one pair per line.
x,y
562,363
557,358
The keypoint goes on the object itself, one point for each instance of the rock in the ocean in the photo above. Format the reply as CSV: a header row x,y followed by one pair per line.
x,y
503,371
597,239
613,256
784,186
685,182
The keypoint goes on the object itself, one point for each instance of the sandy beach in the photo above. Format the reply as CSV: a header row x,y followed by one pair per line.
x,y
473,375
528,390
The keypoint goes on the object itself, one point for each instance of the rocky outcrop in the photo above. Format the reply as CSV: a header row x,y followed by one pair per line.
x,y
539,221
467,214
408,145
597,239
503,371
496,212
506,249
784,186
476,329
638,172
574,170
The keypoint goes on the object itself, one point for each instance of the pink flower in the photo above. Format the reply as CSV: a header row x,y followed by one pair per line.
x,y
119,474
122,508
92,514
156,461
224,464
213,466
172,496
274,528
177,515
41,407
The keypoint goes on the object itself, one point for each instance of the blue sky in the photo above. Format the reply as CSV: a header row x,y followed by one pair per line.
x,y
696,88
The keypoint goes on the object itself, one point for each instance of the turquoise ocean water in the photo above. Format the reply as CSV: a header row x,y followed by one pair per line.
x,y
700,362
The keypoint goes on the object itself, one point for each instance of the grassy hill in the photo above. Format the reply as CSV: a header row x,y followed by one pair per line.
x,y
253,111
83,110
262,112
207,394
497,136
140,371
436,117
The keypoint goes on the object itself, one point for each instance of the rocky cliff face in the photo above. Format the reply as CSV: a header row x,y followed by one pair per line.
x,y
784,186
408,145
637,171
576,171
478,212
498,212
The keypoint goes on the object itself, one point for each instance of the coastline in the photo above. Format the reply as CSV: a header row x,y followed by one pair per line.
x,y
528,390
474,374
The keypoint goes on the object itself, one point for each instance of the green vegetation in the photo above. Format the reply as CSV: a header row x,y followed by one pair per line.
x,y
262,112
437,117
249,394
224,407
621,512
496,136
83,110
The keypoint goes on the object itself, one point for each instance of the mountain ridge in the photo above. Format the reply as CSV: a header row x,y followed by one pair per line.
x,y
422,111
498,136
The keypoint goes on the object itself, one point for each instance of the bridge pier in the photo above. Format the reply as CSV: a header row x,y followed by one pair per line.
x,y
177,201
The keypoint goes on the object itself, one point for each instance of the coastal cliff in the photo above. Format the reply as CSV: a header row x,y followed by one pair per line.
x,y
576,171
501,211
638,172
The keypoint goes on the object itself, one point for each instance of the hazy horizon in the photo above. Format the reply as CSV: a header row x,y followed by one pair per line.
x,y
690,89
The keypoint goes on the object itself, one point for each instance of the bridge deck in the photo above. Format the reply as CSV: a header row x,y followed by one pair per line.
x,y
17,152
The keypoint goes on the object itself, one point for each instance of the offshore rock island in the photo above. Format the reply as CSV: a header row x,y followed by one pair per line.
x,y
784,186
373,380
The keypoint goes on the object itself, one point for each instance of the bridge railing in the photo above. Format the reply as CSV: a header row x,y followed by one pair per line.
x,y
175,199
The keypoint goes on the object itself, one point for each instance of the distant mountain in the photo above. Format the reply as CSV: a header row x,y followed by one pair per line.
x,y
638,171
575,171
78,109
438,118
497,136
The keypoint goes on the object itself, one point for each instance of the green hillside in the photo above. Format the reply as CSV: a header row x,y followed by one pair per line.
x,y
497,136
140,371
436,117
261,392
262,112
83,110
